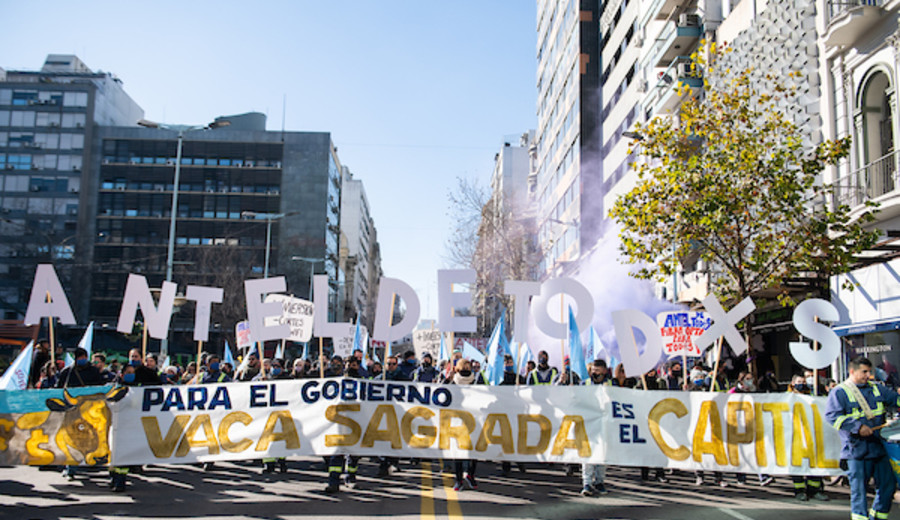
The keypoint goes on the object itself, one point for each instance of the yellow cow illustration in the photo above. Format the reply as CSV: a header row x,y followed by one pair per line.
x,y
85,426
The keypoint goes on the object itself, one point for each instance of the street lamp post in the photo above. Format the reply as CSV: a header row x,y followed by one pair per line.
x,y
312,263
170,252
269,218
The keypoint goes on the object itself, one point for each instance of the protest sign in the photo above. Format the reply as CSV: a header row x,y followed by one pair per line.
x,y
242,334
427,341
343,345
296,313
678,330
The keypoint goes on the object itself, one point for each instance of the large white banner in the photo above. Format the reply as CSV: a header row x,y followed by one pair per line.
x,y
751,433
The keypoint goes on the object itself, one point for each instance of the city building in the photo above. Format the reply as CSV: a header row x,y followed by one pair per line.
x,y
48,120
361,258
567,155
860,56
507,246
249,203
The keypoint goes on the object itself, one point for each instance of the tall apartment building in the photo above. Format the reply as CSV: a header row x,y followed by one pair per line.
x,y
646,47
48,118
361,258
244,195
568,153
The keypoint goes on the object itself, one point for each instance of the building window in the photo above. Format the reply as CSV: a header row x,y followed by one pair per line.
x,y
876,122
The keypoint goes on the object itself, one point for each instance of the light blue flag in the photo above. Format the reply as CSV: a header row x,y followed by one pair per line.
x,y
471,353
525,356
69,359
87,340
305,351
576,352
443,354
498,346
228,357
589,356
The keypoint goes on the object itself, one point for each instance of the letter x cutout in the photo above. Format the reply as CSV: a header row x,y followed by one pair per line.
x,y
724,324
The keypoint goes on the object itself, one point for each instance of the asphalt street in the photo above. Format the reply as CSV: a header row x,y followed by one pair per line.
x,y
417,491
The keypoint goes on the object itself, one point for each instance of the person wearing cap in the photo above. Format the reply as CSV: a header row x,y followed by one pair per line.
x,y
426,373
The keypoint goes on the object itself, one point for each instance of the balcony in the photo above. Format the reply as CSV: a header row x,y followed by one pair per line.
x,y
661,9
665,96
676,39
848,20
872,181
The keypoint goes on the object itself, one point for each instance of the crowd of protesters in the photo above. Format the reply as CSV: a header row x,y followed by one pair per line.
x,y
147,370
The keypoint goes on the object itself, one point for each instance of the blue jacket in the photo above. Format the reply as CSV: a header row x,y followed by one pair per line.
x,y
844,413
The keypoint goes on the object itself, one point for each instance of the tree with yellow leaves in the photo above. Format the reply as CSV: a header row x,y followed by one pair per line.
x,y
729,178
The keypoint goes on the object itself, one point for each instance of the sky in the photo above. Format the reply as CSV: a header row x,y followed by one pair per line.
x,y
415,93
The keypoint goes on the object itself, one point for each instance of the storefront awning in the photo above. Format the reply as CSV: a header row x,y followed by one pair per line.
x,y
864,328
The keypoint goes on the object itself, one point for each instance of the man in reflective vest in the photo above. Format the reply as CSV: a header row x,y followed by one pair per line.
x,y
543,374
857,409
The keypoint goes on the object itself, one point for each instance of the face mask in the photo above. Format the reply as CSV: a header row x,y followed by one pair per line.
x,y
749,386
164,377
426,363
801,387
298,370
543,360
698,382
353,372
81,362
276,371
214,367
809,380
509,369
135,362
465,373
128,378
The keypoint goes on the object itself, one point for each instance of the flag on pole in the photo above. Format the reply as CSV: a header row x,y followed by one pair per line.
x,y
165,364
471,353
525,356
442,353
589,355
88,339
598,348
228,357
69,359
244,362
16,376
576,353
498,346
279,352
305,351
357,340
